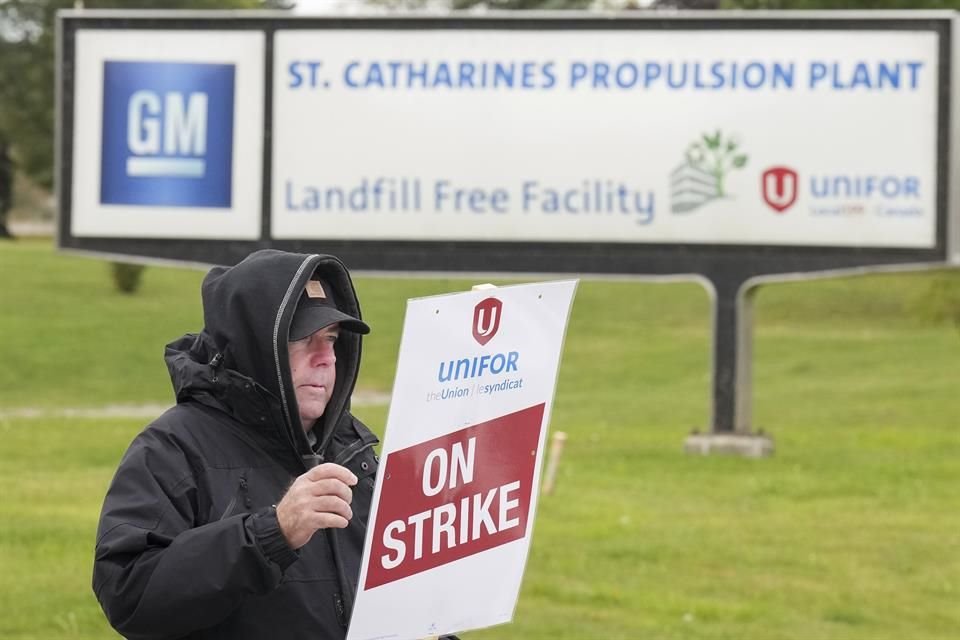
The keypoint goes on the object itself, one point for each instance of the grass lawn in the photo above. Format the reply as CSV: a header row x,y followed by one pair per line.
x,y
847,533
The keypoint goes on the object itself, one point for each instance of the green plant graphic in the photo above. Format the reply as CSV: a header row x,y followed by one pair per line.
x,y
716,156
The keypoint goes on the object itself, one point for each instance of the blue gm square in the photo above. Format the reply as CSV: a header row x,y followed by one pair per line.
x,y
167,134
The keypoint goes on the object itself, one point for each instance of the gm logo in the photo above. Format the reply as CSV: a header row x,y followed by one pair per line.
x,y
167,134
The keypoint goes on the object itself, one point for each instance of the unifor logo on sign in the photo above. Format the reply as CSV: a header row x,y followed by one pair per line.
x,y
701,178
486,320
167,134
779,188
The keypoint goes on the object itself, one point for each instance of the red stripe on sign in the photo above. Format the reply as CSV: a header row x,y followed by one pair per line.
x,y
455,496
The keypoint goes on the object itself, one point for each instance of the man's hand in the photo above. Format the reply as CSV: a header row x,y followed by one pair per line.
x,y
319,499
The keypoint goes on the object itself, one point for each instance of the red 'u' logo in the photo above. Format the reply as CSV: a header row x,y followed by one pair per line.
x,y
486,319
779,188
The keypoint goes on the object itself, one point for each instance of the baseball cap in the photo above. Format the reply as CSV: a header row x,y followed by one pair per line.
x,y
317,309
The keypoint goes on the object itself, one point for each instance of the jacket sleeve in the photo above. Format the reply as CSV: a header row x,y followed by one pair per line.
x,y
157,574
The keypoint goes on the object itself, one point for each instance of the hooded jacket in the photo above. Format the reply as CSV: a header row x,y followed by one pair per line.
x,y
188,544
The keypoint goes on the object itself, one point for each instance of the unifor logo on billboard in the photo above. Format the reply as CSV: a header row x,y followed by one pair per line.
x,y
779,186
486,319
167,134
701,178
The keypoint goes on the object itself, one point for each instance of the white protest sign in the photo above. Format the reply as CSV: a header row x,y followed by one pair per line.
x,y
456,492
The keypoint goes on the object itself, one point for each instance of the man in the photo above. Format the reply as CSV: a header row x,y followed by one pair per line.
x,y
6,186
241,511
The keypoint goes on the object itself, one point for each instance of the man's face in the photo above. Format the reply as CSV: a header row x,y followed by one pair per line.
x,y
312,363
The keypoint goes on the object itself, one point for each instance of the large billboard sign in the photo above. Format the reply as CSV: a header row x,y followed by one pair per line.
x,y
627,144
729,147
743,137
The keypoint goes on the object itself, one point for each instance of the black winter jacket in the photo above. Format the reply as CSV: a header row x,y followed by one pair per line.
x,y
188,544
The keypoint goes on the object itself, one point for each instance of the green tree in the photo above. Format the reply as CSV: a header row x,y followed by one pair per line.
x,y
806,4
494,5
842,4
522,5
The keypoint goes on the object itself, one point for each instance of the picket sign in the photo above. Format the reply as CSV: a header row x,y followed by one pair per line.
x,y
456,492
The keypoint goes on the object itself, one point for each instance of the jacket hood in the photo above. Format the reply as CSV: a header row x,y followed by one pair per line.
x,y
247,311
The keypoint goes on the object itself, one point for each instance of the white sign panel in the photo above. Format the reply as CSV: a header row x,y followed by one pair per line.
x,y
168,134
783,137
456,492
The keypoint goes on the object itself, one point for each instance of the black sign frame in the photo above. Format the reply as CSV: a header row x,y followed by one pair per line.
x,y
729,268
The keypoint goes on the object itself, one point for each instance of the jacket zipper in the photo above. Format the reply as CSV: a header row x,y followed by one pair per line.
x,y
353,451
343,602
341,611
241,489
